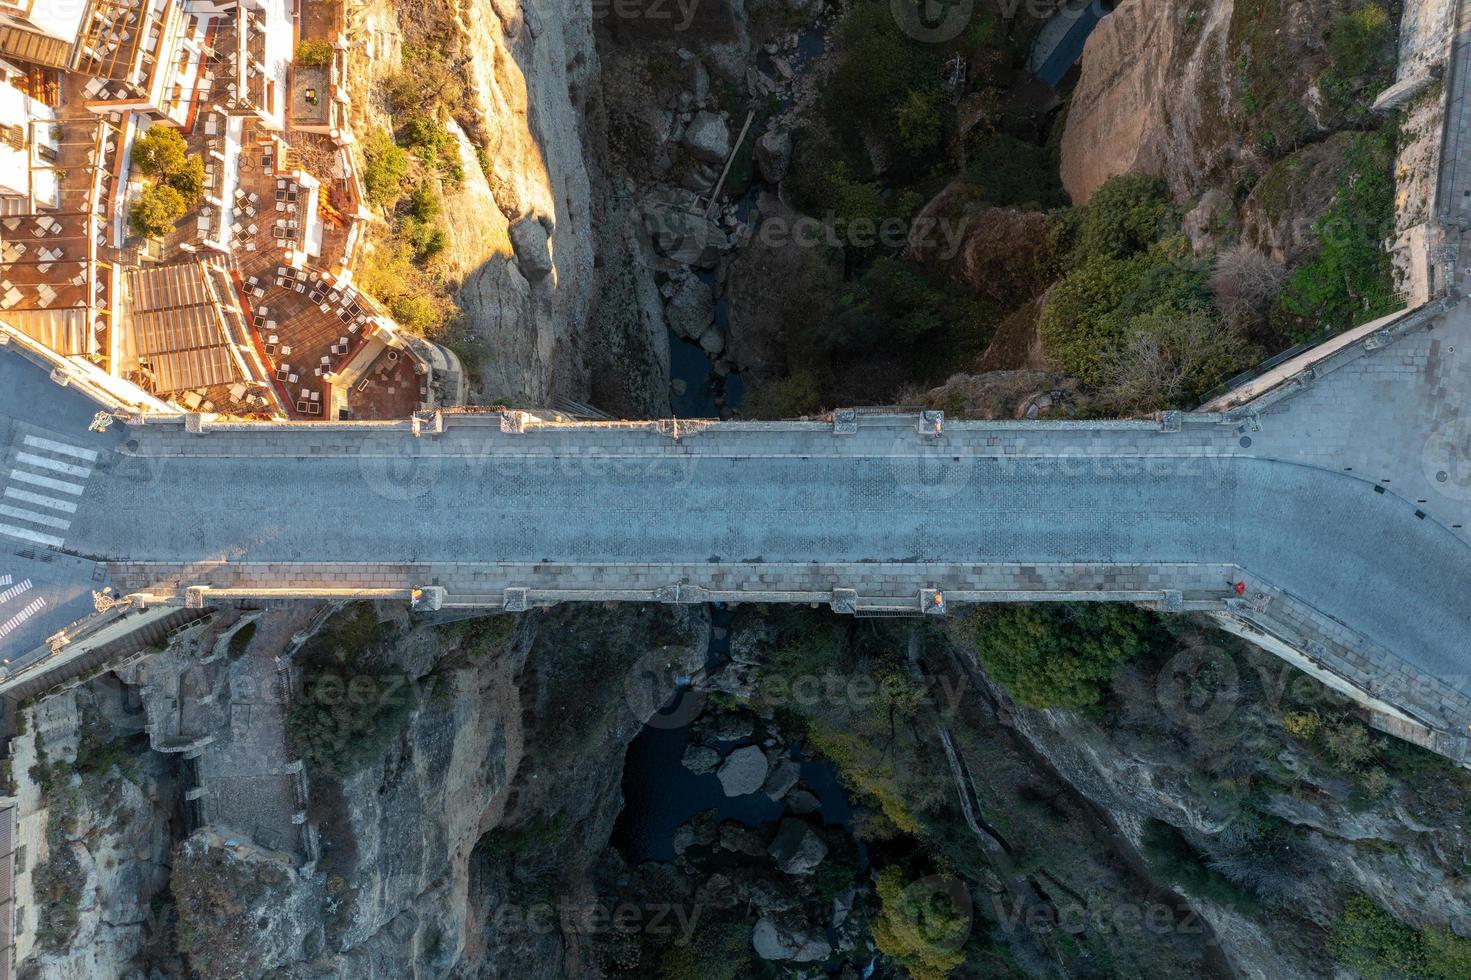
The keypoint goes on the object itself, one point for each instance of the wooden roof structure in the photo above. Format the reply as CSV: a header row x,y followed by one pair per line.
x,y
186,324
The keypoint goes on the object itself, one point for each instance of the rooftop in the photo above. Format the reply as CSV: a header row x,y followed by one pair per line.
x,y
246,307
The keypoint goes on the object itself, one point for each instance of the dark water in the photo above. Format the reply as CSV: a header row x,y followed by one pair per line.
x,y
702,386
659,794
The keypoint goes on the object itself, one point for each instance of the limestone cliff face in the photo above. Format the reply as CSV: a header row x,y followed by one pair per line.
x,y
421,848
1147,87
1188,92
97,846
1396,850
521,242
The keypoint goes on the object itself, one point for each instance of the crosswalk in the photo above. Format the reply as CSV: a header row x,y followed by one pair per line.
x,y
46,478
9,624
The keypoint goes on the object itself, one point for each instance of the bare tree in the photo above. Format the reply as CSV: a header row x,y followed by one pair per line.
x,y
1169,359
1246,282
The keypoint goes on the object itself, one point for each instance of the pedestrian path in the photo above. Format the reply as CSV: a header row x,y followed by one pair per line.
x,y
44,480
12,619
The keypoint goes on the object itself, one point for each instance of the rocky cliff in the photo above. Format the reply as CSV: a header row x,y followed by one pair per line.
x,y
523,224
1198,93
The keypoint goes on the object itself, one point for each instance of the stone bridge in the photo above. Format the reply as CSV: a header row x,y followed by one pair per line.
x,y
1337,488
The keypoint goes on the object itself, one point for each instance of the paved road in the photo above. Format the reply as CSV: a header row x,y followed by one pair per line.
x,y
47,464
1278,503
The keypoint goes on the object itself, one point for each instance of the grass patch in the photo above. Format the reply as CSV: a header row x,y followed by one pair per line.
x,y
1376,945
1349,279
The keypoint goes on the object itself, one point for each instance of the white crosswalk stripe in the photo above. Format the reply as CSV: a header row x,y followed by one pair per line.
x,y
51,445
41,500
55,466
35,518
14,590
11,624
39,464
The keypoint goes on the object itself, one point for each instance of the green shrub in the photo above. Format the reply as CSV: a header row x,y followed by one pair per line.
x,y
424,203
156,211
419,313
385,166
1092,312
1060,656
314,54
1359,42
1126,215
428,139
1174,860
719,949
187,179
159,151
1374,944
919,122
1010,172
428,82
1349,279
349,707
920,929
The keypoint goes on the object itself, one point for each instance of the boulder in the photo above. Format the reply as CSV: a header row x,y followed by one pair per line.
x,y
701,830
691,310
731,727
802,801
699,82
784,937
531,242
707,138
700,759
767,893
741,839
717,892
774,154
782,777
743,771
1211,223
683,234
797,848
759,84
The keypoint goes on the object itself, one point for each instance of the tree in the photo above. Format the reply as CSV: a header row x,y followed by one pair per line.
x,y
922,926
1170,359
1058,656
919,123
1126,214
314,54
159,151
385,168
187,179
156,211
1246,283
